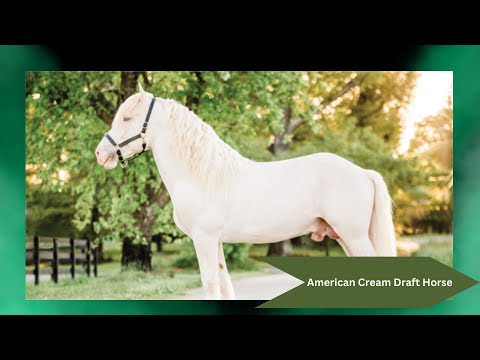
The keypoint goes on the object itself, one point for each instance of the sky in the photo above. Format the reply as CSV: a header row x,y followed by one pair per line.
x,y
429,96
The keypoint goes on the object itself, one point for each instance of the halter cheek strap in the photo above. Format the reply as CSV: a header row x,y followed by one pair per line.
x,y
124,162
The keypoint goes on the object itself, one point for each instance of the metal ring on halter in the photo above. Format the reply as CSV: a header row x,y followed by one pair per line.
x,y
124,162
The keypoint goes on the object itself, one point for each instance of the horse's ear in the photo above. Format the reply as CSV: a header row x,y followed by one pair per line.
x,y
140,89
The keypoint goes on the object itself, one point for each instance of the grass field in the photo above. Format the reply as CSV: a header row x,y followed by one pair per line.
x,y
166,280
437,246
113,283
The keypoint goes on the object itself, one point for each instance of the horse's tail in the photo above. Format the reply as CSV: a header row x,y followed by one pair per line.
x,y
382,232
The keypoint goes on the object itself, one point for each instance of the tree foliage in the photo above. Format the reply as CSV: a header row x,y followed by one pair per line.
x,y
433,143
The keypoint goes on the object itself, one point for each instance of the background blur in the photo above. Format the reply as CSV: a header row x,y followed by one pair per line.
x,y
398,123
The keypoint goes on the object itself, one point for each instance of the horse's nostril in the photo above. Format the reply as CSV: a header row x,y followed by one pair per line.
x,y
97,153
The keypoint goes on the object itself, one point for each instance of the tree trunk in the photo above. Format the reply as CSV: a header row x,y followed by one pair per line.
x,y
157,239
279,143
128,84
193,98
325,244
91,234
296,241
282,248
137,255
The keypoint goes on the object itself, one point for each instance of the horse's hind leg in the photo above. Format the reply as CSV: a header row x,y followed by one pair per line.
x,y
355,242
226,286
344,247
358,246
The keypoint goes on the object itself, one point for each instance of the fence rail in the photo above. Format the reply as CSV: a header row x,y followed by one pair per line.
x,y
56,252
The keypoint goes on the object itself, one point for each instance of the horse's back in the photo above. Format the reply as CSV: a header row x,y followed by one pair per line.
x,y
318,166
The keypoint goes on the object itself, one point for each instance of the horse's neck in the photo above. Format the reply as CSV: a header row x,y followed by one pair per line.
x,y
171,167
171,170
174,170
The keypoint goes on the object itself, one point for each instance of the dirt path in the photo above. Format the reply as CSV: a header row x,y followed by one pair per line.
x,y
259,287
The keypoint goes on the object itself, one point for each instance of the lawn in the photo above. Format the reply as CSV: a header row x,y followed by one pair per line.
x,y
114,284
437,246
166,280
310,249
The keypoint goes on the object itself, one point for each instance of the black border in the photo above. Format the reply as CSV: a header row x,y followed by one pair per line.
x,y
170,55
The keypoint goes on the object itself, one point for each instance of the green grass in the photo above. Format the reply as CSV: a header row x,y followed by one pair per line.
x,y
130,285
166,279
313,249
113,283
437,246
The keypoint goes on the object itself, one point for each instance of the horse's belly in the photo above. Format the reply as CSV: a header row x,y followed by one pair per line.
x,y
261,229
261,238
266,215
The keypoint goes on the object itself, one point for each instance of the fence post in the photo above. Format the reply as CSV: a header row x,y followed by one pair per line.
x,y
36,260
89,248
325,243
95,261
72,258
55,261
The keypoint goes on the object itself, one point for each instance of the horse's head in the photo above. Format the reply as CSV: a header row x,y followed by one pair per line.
x,y
125,136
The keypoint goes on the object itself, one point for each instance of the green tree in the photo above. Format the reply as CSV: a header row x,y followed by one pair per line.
x,y
433,143
67,115
433,138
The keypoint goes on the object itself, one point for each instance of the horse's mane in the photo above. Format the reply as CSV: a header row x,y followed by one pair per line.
x,y
206,155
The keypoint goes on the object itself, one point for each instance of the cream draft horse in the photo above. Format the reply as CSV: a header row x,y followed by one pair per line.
x,y
219,196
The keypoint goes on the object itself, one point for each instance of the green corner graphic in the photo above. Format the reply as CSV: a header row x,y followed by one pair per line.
x,y
367,282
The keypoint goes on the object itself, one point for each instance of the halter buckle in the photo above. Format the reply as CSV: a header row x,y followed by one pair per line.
x,y
124,164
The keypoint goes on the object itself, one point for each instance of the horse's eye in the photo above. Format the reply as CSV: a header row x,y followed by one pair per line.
x,y
126,118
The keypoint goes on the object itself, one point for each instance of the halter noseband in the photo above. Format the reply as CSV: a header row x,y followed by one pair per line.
x,y
124,162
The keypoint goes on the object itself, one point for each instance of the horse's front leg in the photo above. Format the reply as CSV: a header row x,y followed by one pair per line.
x,y
207,254
226,287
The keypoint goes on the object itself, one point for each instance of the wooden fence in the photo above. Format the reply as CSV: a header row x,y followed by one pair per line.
x,y
54,256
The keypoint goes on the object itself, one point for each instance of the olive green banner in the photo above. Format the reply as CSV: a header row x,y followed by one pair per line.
x,y
367,282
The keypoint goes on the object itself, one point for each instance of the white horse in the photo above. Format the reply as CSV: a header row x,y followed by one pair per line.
x,y
219,196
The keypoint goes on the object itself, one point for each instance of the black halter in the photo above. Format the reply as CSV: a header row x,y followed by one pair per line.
x,y
124,162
